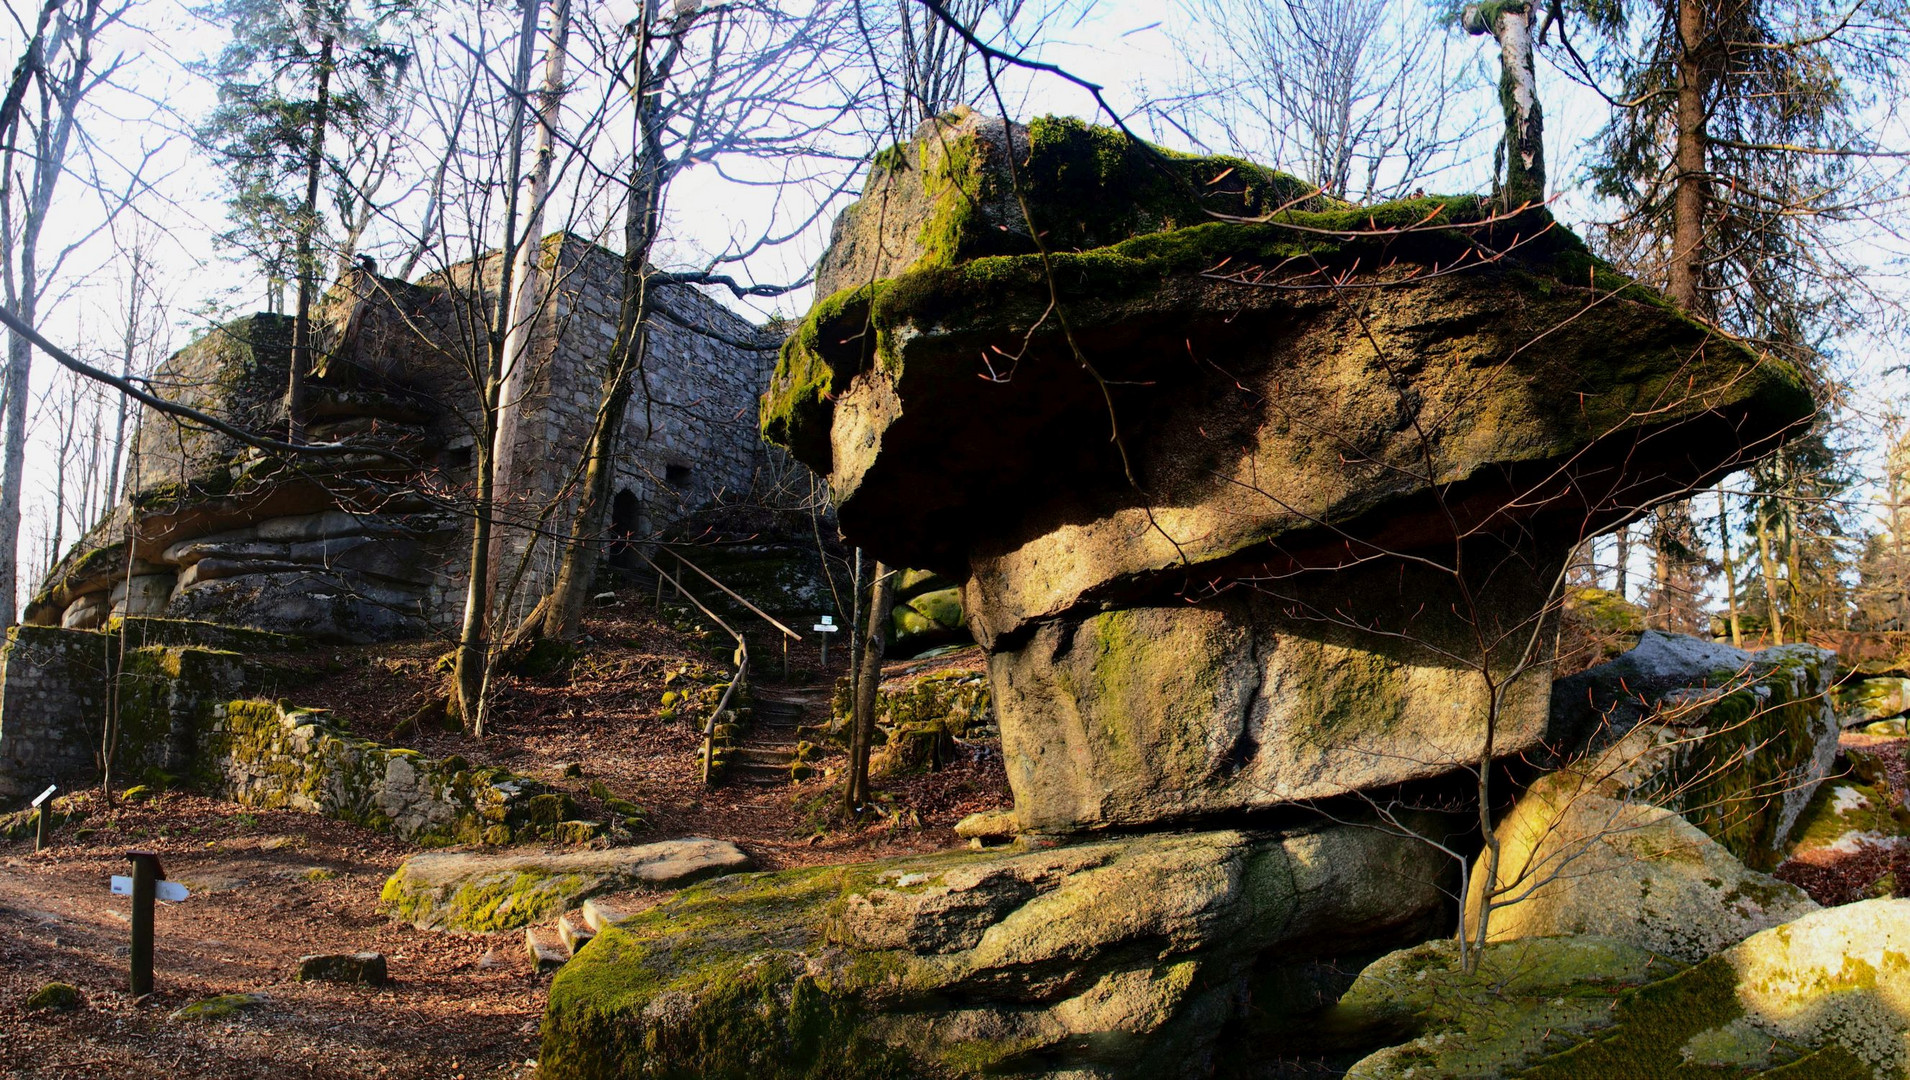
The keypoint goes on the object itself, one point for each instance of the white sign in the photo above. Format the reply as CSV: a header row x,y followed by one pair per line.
x,y
170,891
825,628
50,789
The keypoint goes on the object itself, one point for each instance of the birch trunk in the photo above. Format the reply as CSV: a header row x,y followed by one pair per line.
x,y
1510,24
528,299
469,675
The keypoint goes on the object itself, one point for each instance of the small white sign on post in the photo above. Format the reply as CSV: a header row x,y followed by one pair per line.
x,y
47,794
170,891
826,626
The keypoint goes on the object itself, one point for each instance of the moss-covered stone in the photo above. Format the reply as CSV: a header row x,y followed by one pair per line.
x,y
1879,697
219,1007
1737,742
1124,957
1521,1001
1844,817
481,894
1821,998
1572,860
56,997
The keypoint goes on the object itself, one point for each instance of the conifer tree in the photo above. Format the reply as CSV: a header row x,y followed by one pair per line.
x,y
289,77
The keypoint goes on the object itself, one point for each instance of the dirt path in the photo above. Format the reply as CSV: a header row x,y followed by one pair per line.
x,y
268,887
272,886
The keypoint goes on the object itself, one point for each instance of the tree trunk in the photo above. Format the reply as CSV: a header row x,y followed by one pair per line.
x,y
1688,199
525,303
1770,576
1730,570
562,611
22,275
307,262
1622,563
468,673
868,679
1524,144
471,674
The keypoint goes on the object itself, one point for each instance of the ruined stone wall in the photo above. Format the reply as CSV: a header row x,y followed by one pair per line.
x,y
689,437
258,753
183,716
368,547
57,686
53,686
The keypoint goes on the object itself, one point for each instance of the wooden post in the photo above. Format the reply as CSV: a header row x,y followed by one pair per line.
x,y
42,807
146,875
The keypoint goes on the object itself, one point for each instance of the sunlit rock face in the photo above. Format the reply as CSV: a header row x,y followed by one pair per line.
x,y
1257,496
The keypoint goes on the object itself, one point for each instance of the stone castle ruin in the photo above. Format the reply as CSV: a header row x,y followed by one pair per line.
x,y
361,547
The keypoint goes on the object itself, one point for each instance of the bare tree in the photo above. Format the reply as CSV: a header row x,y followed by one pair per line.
x,y
754,82
1365,99
38,125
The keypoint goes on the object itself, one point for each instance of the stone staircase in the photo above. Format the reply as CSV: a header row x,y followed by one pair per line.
x,y
771,750
550,949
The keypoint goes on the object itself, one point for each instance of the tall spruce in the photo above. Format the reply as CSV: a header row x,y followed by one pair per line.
x,y
292,76
1737,147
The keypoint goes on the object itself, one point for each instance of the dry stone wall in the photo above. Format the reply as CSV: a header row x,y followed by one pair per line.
x,y
262,754
56,692
177,693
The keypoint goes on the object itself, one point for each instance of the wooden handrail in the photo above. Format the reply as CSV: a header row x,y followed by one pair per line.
x,y
742,663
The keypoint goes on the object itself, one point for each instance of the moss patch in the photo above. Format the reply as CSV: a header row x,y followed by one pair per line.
x,y
221,1007
56,997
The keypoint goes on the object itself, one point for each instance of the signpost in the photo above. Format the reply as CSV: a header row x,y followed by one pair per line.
x,y
40,804
147,883
826,627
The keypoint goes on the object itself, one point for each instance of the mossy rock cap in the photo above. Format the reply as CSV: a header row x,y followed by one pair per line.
x,y
967,394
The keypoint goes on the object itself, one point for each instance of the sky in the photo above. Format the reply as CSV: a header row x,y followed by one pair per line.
x,y
1136,49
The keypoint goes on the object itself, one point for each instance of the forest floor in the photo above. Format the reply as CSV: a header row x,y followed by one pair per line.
x,y
272,886
1876,866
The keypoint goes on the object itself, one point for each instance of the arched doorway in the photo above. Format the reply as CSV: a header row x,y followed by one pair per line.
x,y
623,529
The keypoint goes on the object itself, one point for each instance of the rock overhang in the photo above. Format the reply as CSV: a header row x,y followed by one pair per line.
x,y
972,425
1235,499
1013,373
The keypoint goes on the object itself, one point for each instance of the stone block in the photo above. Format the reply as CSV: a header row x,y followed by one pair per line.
x,y
361,968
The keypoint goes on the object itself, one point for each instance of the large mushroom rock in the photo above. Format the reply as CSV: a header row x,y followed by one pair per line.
x,y
1136,957
1247,505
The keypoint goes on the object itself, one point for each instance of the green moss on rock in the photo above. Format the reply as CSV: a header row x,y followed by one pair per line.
x,y
220,1007
56,997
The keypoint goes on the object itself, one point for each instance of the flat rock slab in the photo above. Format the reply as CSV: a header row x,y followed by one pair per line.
x,y
365,968
221,1007
546,955
1128,959
481,893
